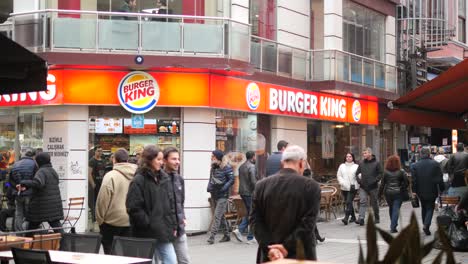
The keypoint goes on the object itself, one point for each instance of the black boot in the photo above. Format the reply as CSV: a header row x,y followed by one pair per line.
x,y
345,219
353,219
225,238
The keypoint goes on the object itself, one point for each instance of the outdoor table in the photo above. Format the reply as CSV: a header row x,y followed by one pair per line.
x,y
8,241
77,257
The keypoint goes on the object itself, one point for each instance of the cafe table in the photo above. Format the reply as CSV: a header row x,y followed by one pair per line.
x,y
77,257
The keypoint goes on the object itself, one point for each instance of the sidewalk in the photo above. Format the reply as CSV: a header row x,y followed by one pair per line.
x,y
341,244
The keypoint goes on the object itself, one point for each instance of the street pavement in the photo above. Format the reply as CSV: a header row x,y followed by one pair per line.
x,y
341,244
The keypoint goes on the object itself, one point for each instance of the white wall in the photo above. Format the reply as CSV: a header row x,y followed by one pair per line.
x,y
240,10
198,141
390,40
69,124
293,130
293,23
333,24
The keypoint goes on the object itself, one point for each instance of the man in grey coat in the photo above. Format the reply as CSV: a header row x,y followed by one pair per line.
x,y
247,180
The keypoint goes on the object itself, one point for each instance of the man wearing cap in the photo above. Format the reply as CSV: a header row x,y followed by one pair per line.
x,y
273,163
221,179
24,169
284,211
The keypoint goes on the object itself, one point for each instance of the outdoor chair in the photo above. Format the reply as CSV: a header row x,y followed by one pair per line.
x,y
85,243
74,211
326,200
449,200
133,247
29,256
46,241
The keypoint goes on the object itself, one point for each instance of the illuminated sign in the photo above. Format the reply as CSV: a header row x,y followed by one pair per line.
x,y
138,92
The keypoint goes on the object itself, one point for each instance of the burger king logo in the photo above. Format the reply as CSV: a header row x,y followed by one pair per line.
x,y
138,92
253,96
356,110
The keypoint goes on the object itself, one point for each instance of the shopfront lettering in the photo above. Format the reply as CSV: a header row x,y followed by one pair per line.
x,y
294,102
331,107
32,97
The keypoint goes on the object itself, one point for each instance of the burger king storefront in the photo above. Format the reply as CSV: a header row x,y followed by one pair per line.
x,y
195,111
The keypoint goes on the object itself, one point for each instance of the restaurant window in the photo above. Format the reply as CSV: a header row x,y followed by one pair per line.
x,y
263,18
462,21
363,31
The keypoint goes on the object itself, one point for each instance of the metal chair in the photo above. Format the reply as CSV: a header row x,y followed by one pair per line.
x,y
74,204
133,247
85,243
29,256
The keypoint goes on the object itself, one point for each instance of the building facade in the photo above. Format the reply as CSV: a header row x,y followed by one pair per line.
x,y
230,74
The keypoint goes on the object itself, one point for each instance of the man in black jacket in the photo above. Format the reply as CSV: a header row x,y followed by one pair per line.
x,y
368,175
457,166
427,182
24,169
284,211
221,180
171,166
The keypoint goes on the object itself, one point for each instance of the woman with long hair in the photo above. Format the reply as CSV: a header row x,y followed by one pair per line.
x,y
151,206
395,188
346,176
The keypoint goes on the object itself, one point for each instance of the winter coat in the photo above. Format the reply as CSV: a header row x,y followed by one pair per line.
x,y
179,194
273,163
346,176
393,183
426,178
221,179
24,169
371,173
46,202
285,207
457,165
151,206
247,178
110,203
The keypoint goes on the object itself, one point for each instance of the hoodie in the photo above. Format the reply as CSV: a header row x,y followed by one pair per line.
x,y
110,204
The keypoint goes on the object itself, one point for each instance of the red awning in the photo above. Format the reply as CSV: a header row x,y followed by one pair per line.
x,y
441,102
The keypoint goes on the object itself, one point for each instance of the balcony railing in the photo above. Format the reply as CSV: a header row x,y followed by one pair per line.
x,y
321,65
99,32
142,33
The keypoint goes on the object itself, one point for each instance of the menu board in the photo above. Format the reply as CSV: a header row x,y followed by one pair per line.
x,y
108,126
149,127
168,127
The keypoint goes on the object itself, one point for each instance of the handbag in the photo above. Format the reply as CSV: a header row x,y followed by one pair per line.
x,y
415,201
352,188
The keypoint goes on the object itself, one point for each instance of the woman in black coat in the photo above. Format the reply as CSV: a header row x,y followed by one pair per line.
x,y
46,202
395,188
151,205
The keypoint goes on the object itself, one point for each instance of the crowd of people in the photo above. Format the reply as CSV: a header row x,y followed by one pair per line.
x,y
144,196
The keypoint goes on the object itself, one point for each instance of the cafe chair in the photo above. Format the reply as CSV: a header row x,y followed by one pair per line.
x,y
30,256
46,241
133,247
448,200
74,211
326,200
84,243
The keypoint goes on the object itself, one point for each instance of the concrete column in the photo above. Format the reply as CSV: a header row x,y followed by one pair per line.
x,y
293,23
293,130
66,139
390,40
240,10
198,141
333,24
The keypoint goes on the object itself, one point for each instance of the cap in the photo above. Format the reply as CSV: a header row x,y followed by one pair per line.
x,y
218,154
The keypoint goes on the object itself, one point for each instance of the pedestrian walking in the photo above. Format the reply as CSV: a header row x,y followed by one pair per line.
x,y
96,172
151,205
369,173
457,166
273,163
46,201
395,189
284,211
221,179
346,176
171,167
443,161
427,183
24,169
247,179
111,212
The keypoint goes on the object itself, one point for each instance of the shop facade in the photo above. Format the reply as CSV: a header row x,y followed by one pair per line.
x,y
196,111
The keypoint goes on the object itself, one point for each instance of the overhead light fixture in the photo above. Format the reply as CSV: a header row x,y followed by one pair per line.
x,y
339,126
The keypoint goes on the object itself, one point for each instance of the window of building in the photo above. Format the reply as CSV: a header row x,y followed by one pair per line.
x,y
462,21
263,18
363,31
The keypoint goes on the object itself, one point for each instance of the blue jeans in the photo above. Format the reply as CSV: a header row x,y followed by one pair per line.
x,y
394,206
165,253
245,222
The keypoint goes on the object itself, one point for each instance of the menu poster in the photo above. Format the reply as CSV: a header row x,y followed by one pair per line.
x,y
149,127
168,127
108,126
